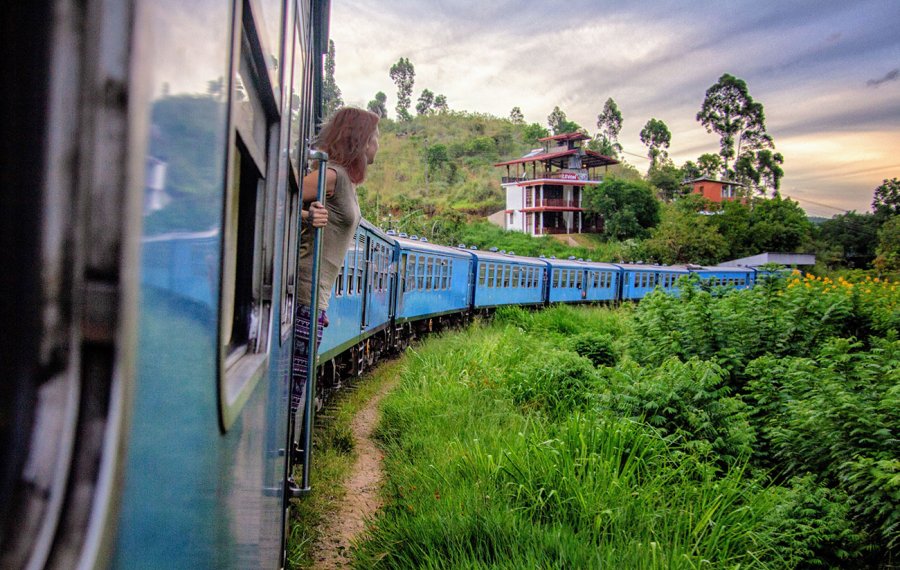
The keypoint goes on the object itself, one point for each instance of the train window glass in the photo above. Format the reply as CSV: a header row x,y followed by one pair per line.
x,y
349,273
402,276
267,14
506,273
289,256
420,273
515,276
248,224
482,275
429,273
299,126
445,266
360,262
555,279
578,277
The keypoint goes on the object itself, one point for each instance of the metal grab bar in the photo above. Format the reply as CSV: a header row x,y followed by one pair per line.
x,y
309,403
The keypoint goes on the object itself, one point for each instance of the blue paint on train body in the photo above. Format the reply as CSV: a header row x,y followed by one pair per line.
x,y
432,279
360,299
506,279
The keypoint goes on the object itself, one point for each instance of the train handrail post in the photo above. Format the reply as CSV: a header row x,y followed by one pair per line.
x,y
309,408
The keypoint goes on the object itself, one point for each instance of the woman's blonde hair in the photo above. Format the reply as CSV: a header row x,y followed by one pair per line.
x,y
345,137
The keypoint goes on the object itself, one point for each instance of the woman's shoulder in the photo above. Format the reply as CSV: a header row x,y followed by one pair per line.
x,y
341,174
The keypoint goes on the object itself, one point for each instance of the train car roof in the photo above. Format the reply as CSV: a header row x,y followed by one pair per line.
x,y
369,226
651,267
583,263
498,257
721,269
427,246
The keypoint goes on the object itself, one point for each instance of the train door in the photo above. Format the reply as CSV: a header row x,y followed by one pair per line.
x,y
371,268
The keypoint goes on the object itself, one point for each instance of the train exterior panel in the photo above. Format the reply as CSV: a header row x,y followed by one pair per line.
x,y
360,299
736,277
432,280
639,280
170,146
567,281
505,279
601,282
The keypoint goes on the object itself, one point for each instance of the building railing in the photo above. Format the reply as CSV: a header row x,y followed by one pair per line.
x,y
555,203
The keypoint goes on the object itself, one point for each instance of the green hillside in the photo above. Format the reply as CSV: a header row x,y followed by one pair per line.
x,y
435,176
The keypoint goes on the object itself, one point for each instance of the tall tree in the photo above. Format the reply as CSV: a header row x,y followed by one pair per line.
x,y
710,165
629,208
888,250
559,123
609,123
656,136
377,105
331,93
403,74
425,103
886,200
440,104
531,133
516,116
730,111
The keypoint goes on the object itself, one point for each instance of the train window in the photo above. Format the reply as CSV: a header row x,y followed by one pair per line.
x,y
299,130
289,256
248,233
515,276
445,278
578,277
507,270
360,262
411,273
339,284
482,275
555,279
350,265
420,273
492,275
402,276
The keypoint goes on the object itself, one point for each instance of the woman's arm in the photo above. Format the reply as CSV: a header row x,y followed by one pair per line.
x,y
311,184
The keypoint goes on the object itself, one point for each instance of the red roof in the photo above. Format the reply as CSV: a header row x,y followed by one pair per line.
x,y
589,160
576,136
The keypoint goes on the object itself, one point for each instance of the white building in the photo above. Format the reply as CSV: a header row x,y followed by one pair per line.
x,y
544,188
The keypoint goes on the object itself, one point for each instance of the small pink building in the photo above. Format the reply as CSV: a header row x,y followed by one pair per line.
x,y
544,188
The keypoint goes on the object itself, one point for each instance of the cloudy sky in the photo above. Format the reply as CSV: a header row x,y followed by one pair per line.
x,y
827,72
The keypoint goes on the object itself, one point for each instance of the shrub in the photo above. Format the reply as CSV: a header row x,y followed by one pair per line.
x,y
596,347
687,402
554,382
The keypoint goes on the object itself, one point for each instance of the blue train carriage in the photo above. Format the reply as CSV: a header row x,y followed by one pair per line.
x,y
601,281
721,276
639,279
360,309
433,286
506,279
148,435
566,280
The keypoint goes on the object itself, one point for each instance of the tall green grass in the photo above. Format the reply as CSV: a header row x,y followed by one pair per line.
x,y
494,462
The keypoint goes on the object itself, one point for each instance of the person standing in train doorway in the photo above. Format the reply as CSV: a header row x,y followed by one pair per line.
x,y
350,137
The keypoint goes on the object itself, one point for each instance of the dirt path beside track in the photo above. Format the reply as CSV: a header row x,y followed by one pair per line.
x,y
362,499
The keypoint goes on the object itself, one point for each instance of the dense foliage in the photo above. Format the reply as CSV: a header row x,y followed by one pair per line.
x,y
751,429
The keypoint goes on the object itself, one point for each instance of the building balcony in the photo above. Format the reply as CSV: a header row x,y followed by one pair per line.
x,y
553,203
